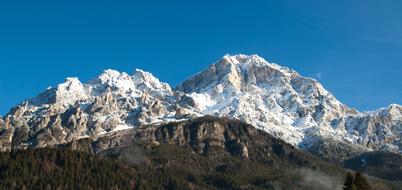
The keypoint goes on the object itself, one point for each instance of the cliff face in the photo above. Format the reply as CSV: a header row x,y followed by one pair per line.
x,y
209,136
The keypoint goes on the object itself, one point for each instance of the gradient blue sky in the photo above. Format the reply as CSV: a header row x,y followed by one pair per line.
x,y
354,48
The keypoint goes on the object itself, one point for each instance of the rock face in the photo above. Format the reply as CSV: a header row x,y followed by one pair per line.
x,y
273,98
72,110
292,107
202,135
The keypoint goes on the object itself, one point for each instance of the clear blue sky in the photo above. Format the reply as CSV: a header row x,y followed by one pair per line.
x,y
354,48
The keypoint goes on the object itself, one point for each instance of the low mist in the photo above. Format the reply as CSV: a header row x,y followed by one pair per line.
x,y
318,180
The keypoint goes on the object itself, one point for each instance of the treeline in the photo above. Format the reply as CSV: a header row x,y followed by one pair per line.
x,y
63,169
356,182
66,169
166,167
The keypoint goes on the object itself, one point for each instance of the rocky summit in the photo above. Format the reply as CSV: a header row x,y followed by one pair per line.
x,y
268,96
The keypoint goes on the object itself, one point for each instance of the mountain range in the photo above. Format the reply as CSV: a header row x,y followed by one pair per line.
x,y
270,97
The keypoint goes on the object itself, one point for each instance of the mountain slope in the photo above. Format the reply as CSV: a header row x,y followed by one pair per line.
x,y
201,153
71,110
290,106
385,165
264,94
220,153
276,99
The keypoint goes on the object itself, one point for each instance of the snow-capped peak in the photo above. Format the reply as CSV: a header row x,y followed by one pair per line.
x,y
70,91
393,111
109,74
110,79
244,61
145,79
264,94
64,94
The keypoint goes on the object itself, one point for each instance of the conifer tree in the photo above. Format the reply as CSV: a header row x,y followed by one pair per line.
x,y
358,182
349,185
361,182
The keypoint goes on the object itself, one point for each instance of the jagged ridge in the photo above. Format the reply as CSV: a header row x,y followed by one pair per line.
x,y
276,99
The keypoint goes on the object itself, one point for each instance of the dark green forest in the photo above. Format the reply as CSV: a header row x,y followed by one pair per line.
x,y
165,167
63,169
67,169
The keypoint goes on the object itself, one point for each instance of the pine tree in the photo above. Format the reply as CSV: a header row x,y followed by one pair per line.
x,y
358,182
361,182
349,185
